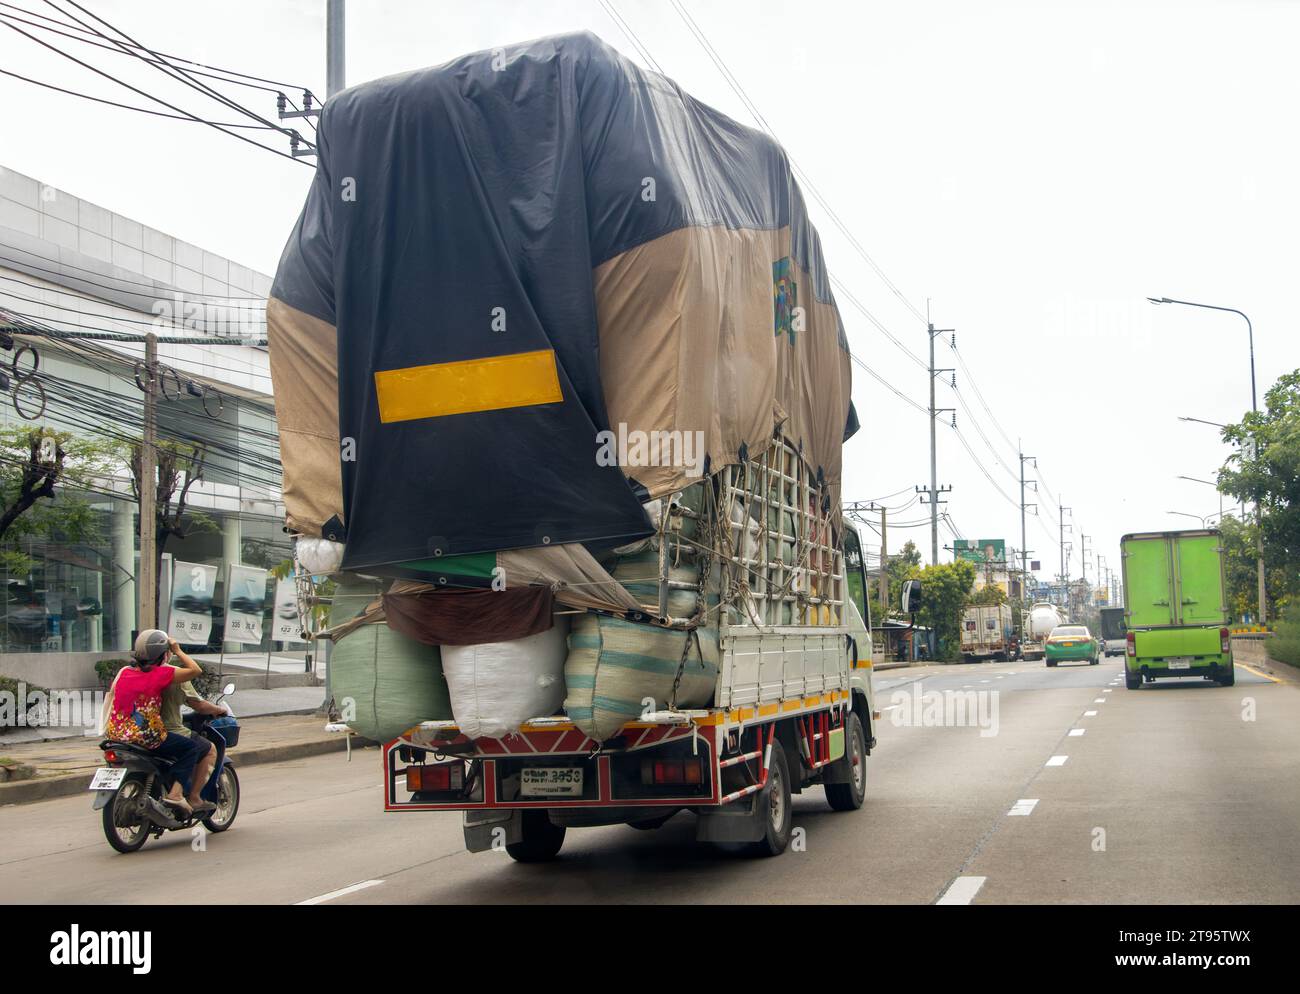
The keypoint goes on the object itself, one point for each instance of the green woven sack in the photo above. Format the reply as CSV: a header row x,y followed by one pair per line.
x,y
614,666
383,682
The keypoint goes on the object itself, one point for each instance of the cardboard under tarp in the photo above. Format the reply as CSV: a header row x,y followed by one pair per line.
x,y
517,252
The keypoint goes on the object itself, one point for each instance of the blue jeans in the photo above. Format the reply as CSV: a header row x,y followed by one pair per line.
x,y
184,752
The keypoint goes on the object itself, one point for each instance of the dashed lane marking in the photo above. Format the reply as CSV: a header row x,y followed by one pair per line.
x,y
1090,714
1057,760
962,890
1024,806
1077,731
342,892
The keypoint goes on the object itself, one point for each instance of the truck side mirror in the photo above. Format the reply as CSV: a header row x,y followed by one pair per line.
x,y
911,596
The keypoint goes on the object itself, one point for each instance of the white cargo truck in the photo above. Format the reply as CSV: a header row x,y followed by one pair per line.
x,y
987,633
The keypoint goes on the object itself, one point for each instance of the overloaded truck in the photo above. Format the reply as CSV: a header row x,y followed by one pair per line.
x,y
1039,621
562,392
987,633
1176,607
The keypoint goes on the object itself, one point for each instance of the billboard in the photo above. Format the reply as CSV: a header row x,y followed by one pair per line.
x,y
190,617
245,604
981,552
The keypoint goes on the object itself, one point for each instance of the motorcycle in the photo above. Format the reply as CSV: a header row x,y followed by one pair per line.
x,y
129,789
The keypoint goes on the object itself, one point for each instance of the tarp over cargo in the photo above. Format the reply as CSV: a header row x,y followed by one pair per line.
x,y
500,258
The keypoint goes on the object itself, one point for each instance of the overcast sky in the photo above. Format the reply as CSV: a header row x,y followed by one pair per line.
x,y
1034,170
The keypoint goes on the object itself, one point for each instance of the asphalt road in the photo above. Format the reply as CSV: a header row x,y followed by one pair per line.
x,y
1182,792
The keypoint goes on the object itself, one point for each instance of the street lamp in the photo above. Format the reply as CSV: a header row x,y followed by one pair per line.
x,y
1208,484
1250,330
1254,406
1203,520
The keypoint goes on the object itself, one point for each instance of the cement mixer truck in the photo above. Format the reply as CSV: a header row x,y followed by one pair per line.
x,y
1040,619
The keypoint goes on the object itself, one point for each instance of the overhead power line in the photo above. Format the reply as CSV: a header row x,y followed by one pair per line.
x,y
135,89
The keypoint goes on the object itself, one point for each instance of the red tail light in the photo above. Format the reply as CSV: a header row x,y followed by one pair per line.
x,y
110,756
439,776
1130,644
1225,640
672,771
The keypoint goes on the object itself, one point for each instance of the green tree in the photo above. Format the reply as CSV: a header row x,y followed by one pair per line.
x,y
1265,471
41,471
945,594
179,467
901,567
989,595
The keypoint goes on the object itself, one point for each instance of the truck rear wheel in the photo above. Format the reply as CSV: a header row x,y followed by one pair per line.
x,y
541,839
1229,678
1132,680
849,796
774,807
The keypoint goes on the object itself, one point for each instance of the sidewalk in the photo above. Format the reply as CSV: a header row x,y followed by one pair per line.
x,y
63,767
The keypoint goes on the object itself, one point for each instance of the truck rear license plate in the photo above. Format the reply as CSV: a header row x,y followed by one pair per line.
x,y
550,781
107,778
1179,662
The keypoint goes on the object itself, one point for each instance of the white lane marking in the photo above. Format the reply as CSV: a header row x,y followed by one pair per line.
x,y
962,890
1099,700
984,681
1090,714
1077,731
1107,690
1057,760
967,686
340,893
1023,806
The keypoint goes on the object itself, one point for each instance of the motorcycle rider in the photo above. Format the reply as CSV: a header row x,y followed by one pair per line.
x,y
135,716
174,695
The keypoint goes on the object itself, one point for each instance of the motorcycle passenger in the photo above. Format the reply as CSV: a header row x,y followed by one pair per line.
x,y
135,717
180,692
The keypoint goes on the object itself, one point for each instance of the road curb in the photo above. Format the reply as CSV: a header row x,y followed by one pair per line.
x,y
68,784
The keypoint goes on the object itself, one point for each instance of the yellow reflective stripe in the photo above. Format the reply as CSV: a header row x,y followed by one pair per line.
x,y
469,385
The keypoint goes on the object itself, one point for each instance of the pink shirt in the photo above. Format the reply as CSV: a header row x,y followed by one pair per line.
x,y
132,683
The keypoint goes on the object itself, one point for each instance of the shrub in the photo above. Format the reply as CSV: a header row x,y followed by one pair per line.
x,y
1284,646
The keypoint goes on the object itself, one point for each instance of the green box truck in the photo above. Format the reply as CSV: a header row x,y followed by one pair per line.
x,y
1175,607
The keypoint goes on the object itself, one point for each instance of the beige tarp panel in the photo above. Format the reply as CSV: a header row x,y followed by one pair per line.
x,y
688,343
304,373
579,580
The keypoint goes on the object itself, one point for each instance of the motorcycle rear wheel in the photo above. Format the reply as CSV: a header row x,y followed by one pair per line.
x,y
124,806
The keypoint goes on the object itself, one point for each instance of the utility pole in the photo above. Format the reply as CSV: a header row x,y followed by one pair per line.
x,y
335,20
1065,567
1083,555
934,489
1024,541
884,569
147,587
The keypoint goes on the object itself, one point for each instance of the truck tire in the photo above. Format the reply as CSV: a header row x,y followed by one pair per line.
x,y
1132,681
774,807
541,839
1230,678
1051,662
849,796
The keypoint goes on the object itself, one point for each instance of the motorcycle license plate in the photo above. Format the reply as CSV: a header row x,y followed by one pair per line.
x,y
107,778
1179,662
551,781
